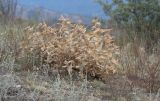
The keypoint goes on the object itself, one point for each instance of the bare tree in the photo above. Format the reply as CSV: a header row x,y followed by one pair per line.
x,y
8,9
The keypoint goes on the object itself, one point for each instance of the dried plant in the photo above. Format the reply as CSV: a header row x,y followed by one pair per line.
x,y
141,68
73,47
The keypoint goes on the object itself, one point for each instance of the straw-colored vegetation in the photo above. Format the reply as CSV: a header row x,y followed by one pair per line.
x,y
71,47
67,61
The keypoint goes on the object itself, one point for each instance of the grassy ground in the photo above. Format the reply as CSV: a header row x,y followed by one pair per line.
x,y
137,78
34,86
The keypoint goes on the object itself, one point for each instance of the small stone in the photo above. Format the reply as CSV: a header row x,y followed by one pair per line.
x,y
18,86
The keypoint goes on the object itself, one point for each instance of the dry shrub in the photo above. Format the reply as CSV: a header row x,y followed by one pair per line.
x,y
68,46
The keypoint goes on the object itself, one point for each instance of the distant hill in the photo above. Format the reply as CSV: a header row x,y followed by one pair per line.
x,y
76,7
43,14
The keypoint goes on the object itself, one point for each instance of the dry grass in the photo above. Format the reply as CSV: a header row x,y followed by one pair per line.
x,y
141,68
50,53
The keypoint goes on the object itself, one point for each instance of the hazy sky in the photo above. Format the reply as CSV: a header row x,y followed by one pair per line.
x,y
82,7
